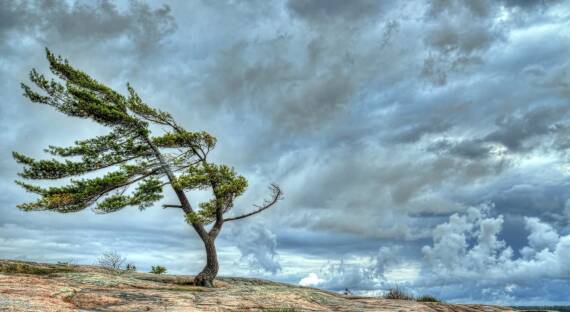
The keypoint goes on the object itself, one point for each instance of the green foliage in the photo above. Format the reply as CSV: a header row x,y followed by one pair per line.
x,y
81,96
80,194
223,180
49,169
130,155
427,298
197,140
157,269
145,111
117,144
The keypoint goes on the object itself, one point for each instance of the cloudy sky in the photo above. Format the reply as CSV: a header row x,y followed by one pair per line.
x,y
419,143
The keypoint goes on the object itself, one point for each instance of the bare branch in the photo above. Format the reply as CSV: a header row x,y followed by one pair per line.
x,y
112,260
171,206
276,196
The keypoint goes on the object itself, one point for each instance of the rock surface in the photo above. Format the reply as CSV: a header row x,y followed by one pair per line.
x,y
28,286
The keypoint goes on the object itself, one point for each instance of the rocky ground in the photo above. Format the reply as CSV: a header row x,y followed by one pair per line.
x,y
27,286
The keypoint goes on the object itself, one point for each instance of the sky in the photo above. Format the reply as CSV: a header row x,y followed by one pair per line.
x,y
419,144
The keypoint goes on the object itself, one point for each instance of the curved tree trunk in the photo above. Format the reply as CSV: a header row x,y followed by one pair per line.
x,y
210,271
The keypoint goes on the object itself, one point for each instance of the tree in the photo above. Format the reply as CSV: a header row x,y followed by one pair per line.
x,y
112,260
157,269
133,166
131,267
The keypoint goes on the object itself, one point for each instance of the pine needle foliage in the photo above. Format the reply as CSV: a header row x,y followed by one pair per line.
x,y
127,149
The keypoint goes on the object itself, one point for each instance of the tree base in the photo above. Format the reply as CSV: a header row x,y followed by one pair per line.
x,y
204,281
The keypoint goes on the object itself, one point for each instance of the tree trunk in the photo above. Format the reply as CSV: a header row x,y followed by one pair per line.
x,y
210,271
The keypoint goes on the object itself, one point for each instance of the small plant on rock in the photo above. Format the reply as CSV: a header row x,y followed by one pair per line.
x,y
427,298
398,293
112,260
158,269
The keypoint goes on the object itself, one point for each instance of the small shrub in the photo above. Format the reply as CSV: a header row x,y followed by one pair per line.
x,y
427,298
131,267
398,293
158,269
112,260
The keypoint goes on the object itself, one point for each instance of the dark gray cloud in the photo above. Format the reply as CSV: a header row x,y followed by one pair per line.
x,y
513,130
383,123
470,149
417,131
458,35
529,4
476,8
58,20
541,127
328,11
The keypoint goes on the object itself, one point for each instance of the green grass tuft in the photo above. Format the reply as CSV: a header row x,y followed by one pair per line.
x,y
400,294
427,298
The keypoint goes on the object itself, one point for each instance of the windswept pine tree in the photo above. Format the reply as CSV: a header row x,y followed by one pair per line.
x,y
134,165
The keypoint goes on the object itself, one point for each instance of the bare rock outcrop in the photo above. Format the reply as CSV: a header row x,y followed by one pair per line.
x,y
27,286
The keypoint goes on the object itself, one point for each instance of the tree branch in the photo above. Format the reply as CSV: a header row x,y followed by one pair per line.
x,y
171,206
100,194
215,230
275,197
185,203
